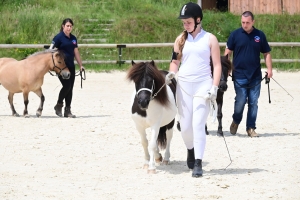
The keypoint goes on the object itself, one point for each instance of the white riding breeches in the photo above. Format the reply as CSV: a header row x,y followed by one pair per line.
x,y
193,111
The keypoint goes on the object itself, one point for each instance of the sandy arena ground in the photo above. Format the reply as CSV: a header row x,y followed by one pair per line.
x,y
98,155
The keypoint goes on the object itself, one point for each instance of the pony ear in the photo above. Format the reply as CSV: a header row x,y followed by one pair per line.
x,y
132,62
152,62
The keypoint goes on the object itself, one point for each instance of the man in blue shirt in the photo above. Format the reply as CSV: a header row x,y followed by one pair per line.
x,y
247,43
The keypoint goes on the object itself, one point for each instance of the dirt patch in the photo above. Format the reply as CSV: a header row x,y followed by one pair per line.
x,y
98,155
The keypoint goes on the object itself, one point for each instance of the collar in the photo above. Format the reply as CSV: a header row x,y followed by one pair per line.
x,y
198,34
243,31
66,35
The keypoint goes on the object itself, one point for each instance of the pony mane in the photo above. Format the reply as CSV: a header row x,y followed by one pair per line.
x,y
138,71
60,53
225,62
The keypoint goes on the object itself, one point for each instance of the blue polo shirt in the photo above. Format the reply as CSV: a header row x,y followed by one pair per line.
x,y
246,52
67,45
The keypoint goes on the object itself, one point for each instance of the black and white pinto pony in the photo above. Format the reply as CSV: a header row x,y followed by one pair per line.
x,y
153,106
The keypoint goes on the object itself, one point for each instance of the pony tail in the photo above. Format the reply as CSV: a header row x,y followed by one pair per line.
x,y
181,43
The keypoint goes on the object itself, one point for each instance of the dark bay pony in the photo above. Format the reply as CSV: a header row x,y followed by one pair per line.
x,y
28,75
153,106
226,69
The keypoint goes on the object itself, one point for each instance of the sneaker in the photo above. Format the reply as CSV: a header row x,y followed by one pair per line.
x,y
233,128
251,133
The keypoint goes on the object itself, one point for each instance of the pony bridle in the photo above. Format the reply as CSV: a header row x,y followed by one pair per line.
x,y
223,78
57,67
151,91
147,89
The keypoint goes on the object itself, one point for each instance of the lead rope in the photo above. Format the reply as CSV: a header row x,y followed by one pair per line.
x,y
158,91
267,82
212,104
82,76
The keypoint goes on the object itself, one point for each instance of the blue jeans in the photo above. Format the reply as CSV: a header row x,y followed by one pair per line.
x,y
245,95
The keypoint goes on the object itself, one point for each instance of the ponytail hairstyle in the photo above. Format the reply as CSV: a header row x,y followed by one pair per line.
x,y
181,43
64,23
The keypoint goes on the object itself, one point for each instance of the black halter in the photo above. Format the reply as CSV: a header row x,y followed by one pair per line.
x,y
54,66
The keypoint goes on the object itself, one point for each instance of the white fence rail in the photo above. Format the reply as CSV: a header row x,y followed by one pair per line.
x,y
137,45
143,45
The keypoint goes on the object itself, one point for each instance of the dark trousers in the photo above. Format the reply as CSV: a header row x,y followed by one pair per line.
x,y
66,92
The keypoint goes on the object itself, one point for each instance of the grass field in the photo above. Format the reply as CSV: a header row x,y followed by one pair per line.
x,y
135,21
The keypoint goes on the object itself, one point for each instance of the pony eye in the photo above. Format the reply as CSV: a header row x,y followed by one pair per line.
x,y
59,62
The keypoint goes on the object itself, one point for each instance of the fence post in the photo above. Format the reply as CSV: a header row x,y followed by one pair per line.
x,y
120,61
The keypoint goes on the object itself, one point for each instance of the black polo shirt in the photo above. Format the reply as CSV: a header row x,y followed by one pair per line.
x,y
67,45
246,52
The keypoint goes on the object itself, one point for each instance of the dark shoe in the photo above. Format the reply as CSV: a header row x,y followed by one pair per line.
x,y
190,158
233,128
197,171
251,133
68,113
58,109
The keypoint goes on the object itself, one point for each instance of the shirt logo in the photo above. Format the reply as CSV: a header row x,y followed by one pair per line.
x,y
74,41
257,39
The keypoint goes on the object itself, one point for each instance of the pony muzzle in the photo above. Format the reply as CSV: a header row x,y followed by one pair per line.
x,y
223,86
143,103
65,74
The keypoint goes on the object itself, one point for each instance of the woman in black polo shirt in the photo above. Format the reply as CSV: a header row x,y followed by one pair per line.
x,y
67,42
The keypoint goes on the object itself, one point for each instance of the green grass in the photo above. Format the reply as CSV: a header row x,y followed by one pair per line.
x,y
136,21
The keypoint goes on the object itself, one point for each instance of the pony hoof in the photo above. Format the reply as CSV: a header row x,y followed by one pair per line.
x,y
146,166
16,115
158,160
38,114
151,171
165,162
26,116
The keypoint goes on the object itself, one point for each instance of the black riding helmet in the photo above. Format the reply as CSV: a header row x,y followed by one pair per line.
x,y
191,10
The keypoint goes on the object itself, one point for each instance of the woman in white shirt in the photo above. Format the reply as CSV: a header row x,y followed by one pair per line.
x,y
196,87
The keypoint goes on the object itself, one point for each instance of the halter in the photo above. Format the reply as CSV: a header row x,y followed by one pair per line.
x,y
56,67
147,89
151,91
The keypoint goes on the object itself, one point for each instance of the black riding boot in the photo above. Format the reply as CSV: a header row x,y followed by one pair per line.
x,y
58,108
190,158
197,171
68,113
